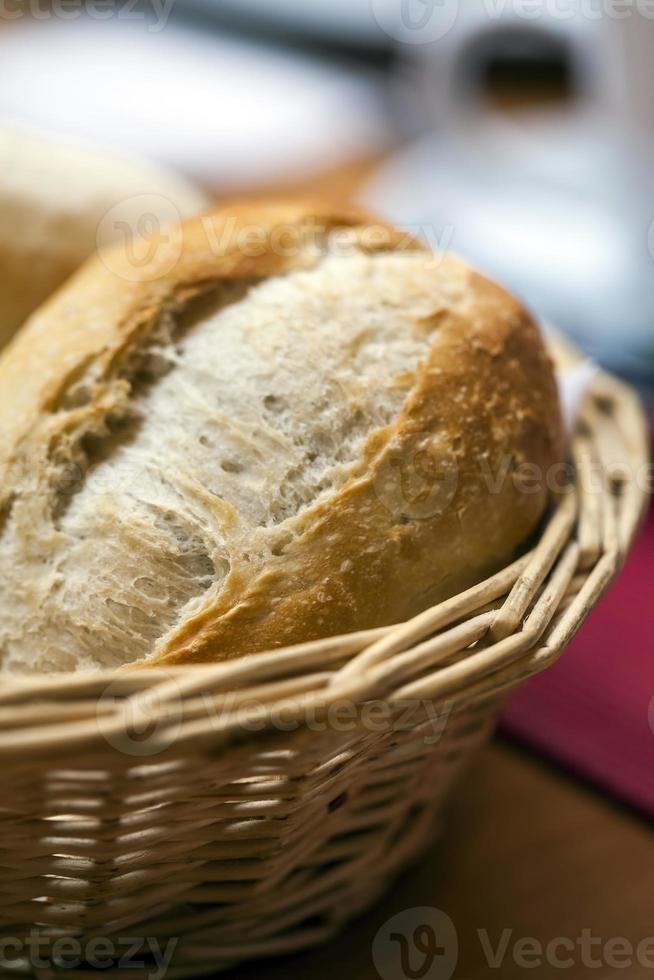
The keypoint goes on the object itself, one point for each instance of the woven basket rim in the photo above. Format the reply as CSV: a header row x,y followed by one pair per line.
x,y
465,649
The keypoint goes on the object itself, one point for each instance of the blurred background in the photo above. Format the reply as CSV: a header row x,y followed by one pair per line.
x,y
518,133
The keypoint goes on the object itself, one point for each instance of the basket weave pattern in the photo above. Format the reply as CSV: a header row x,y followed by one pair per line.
x,y
250,808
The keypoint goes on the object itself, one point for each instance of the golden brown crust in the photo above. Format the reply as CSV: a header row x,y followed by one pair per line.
x,y
434,504
376,554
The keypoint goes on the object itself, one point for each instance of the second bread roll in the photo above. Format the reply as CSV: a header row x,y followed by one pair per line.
x,y
54,199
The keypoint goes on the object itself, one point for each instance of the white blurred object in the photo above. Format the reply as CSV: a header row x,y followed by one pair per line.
x,y
229,112
558,203
574,384
57,201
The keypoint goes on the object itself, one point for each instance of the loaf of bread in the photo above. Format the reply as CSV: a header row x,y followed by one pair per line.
x,y
54,201
290,423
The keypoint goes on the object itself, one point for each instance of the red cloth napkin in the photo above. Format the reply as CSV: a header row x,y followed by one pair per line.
x,y
594,709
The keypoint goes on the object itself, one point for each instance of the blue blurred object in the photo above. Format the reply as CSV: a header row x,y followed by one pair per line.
x,y
558,202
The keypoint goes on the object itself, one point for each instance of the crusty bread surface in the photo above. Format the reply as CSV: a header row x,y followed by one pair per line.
x,y
289,423
56,199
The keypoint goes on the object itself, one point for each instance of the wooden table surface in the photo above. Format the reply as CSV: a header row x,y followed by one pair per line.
x,y
528,854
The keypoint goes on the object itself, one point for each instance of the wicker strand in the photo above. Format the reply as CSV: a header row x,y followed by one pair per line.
x,y
555,537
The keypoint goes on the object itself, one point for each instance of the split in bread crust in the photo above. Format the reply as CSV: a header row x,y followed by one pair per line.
x,y
259,439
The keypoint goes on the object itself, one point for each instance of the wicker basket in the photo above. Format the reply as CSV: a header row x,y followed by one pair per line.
x,y
251,808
